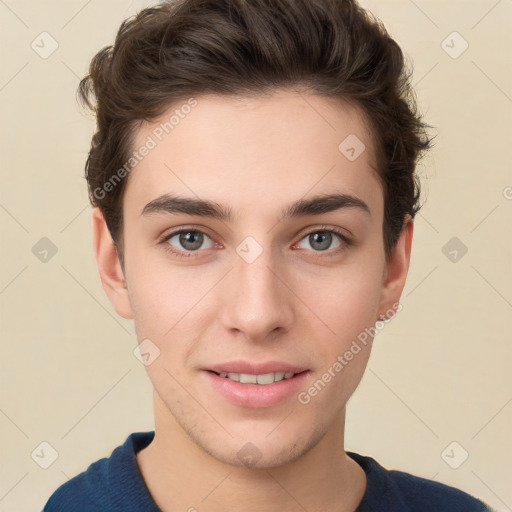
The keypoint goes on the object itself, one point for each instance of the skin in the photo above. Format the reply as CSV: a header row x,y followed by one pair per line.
x,y
293,303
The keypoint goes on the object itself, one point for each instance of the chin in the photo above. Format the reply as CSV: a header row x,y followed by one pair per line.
x,y
261,450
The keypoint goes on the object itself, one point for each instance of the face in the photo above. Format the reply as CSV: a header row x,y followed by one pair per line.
x,y
248,284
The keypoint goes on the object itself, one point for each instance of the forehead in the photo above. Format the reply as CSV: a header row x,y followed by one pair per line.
x,y
250,151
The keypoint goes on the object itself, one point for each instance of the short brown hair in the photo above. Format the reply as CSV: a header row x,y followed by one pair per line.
x,y
185,48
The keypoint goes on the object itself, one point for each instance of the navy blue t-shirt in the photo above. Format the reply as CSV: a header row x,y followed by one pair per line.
x,y
115,484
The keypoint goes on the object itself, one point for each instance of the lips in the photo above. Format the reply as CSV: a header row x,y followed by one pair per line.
x,y
256,390
261,373
253,368
266,378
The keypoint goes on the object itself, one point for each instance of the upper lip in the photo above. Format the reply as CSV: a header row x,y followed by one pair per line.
x,y
256,368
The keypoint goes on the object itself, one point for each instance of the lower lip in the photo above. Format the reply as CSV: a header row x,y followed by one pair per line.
x,y
257,395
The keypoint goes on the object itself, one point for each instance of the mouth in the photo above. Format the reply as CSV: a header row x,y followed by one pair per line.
x,y
262,378
255,386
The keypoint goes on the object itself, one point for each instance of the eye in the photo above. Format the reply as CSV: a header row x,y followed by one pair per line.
x,y
321,240
186,241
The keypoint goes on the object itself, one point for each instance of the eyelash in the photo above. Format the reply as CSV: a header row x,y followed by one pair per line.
x,y
345,241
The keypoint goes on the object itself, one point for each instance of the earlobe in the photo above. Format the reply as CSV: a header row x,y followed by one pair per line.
x,y
396,270
109,267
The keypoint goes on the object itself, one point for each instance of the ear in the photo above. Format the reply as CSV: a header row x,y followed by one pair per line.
x,y
396,270
111,273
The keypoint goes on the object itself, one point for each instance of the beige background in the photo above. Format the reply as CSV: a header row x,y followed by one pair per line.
x,y
440,372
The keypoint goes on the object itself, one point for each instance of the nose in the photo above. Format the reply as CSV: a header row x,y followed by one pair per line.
x,y
258,301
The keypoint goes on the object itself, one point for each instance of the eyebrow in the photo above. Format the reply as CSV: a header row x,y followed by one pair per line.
x,y
316,205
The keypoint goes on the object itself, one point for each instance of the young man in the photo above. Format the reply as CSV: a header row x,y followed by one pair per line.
x,y
253,186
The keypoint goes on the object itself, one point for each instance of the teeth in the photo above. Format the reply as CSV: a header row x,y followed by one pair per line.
x,y
246,378
266,378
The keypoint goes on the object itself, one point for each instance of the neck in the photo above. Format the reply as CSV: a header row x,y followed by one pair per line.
x,y
182,476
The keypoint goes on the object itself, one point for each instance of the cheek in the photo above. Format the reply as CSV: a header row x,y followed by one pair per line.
x,y
162,294
346,299
349,309
343,361
168,303
347,304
